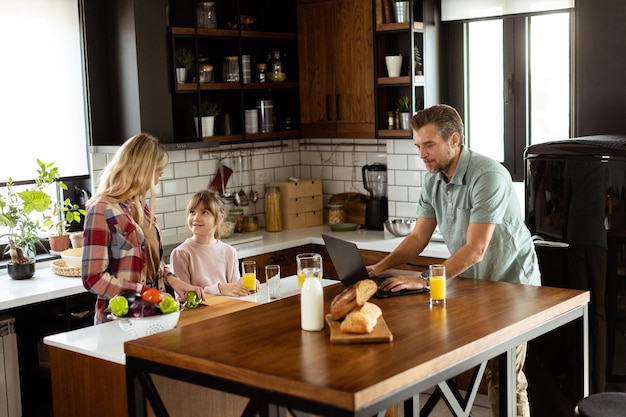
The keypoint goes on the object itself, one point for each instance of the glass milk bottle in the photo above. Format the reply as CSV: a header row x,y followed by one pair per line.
x,y
312,305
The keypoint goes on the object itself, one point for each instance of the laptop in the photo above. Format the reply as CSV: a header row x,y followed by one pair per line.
x,y
350,267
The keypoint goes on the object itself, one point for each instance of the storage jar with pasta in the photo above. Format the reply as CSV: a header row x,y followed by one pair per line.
x,y
273,217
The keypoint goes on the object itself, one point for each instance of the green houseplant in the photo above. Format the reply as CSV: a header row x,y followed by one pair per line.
x,y
207,113
16,213
404,108
63,214
184,63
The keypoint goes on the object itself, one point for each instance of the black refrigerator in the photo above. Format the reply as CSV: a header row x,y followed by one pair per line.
x,y
575,208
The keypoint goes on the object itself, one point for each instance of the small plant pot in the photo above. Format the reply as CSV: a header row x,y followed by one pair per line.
x,y
404,121
21,271
59,243
181,75
77,239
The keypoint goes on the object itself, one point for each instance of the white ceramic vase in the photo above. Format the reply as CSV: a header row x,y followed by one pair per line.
x,y
394,64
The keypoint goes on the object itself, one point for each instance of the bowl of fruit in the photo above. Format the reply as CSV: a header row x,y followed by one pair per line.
x,y
144,314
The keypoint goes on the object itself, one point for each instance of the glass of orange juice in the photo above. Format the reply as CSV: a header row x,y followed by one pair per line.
x,y
309,265
248,275
437,284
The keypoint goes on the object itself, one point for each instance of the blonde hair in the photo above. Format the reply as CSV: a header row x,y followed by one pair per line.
x,y
130,174
212,202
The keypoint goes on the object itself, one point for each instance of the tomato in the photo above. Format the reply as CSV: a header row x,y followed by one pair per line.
x,y
153,295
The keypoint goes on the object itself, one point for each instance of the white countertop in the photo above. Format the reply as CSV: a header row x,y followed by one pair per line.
x,y
46,285
106,341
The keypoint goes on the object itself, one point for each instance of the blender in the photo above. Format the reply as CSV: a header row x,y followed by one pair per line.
x,y
375,182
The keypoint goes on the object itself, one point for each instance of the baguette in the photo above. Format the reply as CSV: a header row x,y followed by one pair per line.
x,y
362,319
352,297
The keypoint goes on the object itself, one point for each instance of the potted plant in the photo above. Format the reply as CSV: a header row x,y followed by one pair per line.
x,y
404,108
207,113
63,214
16,213
184,63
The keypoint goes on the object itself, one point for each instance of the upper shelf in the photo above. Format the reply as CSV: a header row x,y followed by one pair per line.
x,y
393,27
232,33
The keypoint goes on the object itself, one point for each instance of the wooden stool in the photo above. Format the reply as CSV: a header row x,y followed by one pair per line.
x,y
603,404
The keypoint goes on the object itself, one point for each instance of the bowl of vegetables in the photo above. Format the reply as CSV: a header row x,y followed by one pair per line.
x,y
144,314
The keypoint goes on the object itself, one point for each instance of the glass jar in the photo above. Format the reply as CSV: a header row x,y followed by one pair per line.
x,y
336,213
236,215
275,70
251,223
260,73
273,219
206,73
205,15
230,72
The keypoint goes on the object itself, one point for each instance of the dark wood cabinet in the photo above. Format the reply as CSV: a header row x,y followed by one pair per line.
x,y
335,48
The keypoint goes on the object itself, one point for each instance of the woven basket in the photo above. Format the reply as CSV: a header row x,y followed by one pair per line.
x,y
60,267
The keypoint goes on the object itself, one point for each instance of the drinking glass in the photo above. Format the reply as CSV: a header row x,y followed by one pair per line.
x,y
248,272
309,265
437,284
272,279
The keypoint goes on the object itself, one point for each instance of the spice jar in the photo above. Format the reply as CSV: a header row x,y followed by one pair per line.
x,y
260,73
251,223
273,220
336,214
236,215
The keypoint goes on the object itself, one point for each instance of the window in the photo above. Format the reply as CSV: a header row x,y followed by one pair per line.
x,y
517,85
43,92
41,79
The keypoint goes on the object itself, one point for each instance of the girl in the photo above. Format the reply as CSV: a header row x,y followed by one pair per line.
x,y
203,259
122,246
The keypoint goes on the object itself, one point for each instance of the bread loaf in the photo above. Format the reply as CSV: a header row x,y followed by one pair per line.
x,y
362,319
353,296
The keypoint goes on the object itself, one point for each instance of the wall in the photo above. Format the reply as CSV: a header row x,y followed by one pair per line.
x,y
337,162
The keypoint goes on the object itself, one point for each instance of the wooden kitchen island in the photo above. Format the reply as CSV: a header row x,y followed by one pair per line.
x,y
262,354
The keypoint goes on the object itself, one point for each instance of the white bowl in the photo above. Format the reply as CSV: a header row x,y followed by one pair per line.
x,y
72,257
145,326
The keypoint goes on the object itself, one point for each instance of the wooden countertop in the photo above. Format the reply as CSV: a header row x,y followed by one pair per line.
x,y
481,320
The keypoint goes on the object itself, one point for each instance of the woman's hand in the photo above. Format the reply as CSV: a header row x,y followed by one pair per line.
x,y
233,290
182,288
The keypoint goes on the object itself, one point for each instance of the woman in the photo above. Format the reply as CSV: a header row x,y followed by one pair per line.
x,y
122,242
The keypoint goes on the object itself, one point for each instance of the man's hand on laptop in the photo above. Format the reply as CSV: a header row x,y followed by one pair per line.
x,y
402,282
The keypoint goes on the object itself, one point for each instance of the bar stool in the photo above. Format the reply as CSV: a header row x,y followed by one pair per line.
x,y
603,404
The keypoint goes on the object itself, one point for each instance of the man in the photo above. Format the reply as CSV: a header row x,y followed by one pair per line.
x,y
472,200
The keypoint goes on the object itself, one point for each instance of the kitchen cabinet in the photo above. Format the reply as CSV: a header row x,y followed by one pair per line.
x,y
417,41
245,28
335,54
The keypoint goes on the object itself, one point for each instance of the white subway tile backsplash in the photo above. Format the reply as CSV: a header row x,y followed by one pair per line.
x,y
185,169
173,187
195,184
404,146
396,193
337,162
408,178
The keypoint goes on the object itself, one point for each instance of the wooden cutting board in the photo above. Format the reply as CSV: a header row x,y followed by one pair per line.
x,y
380,334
